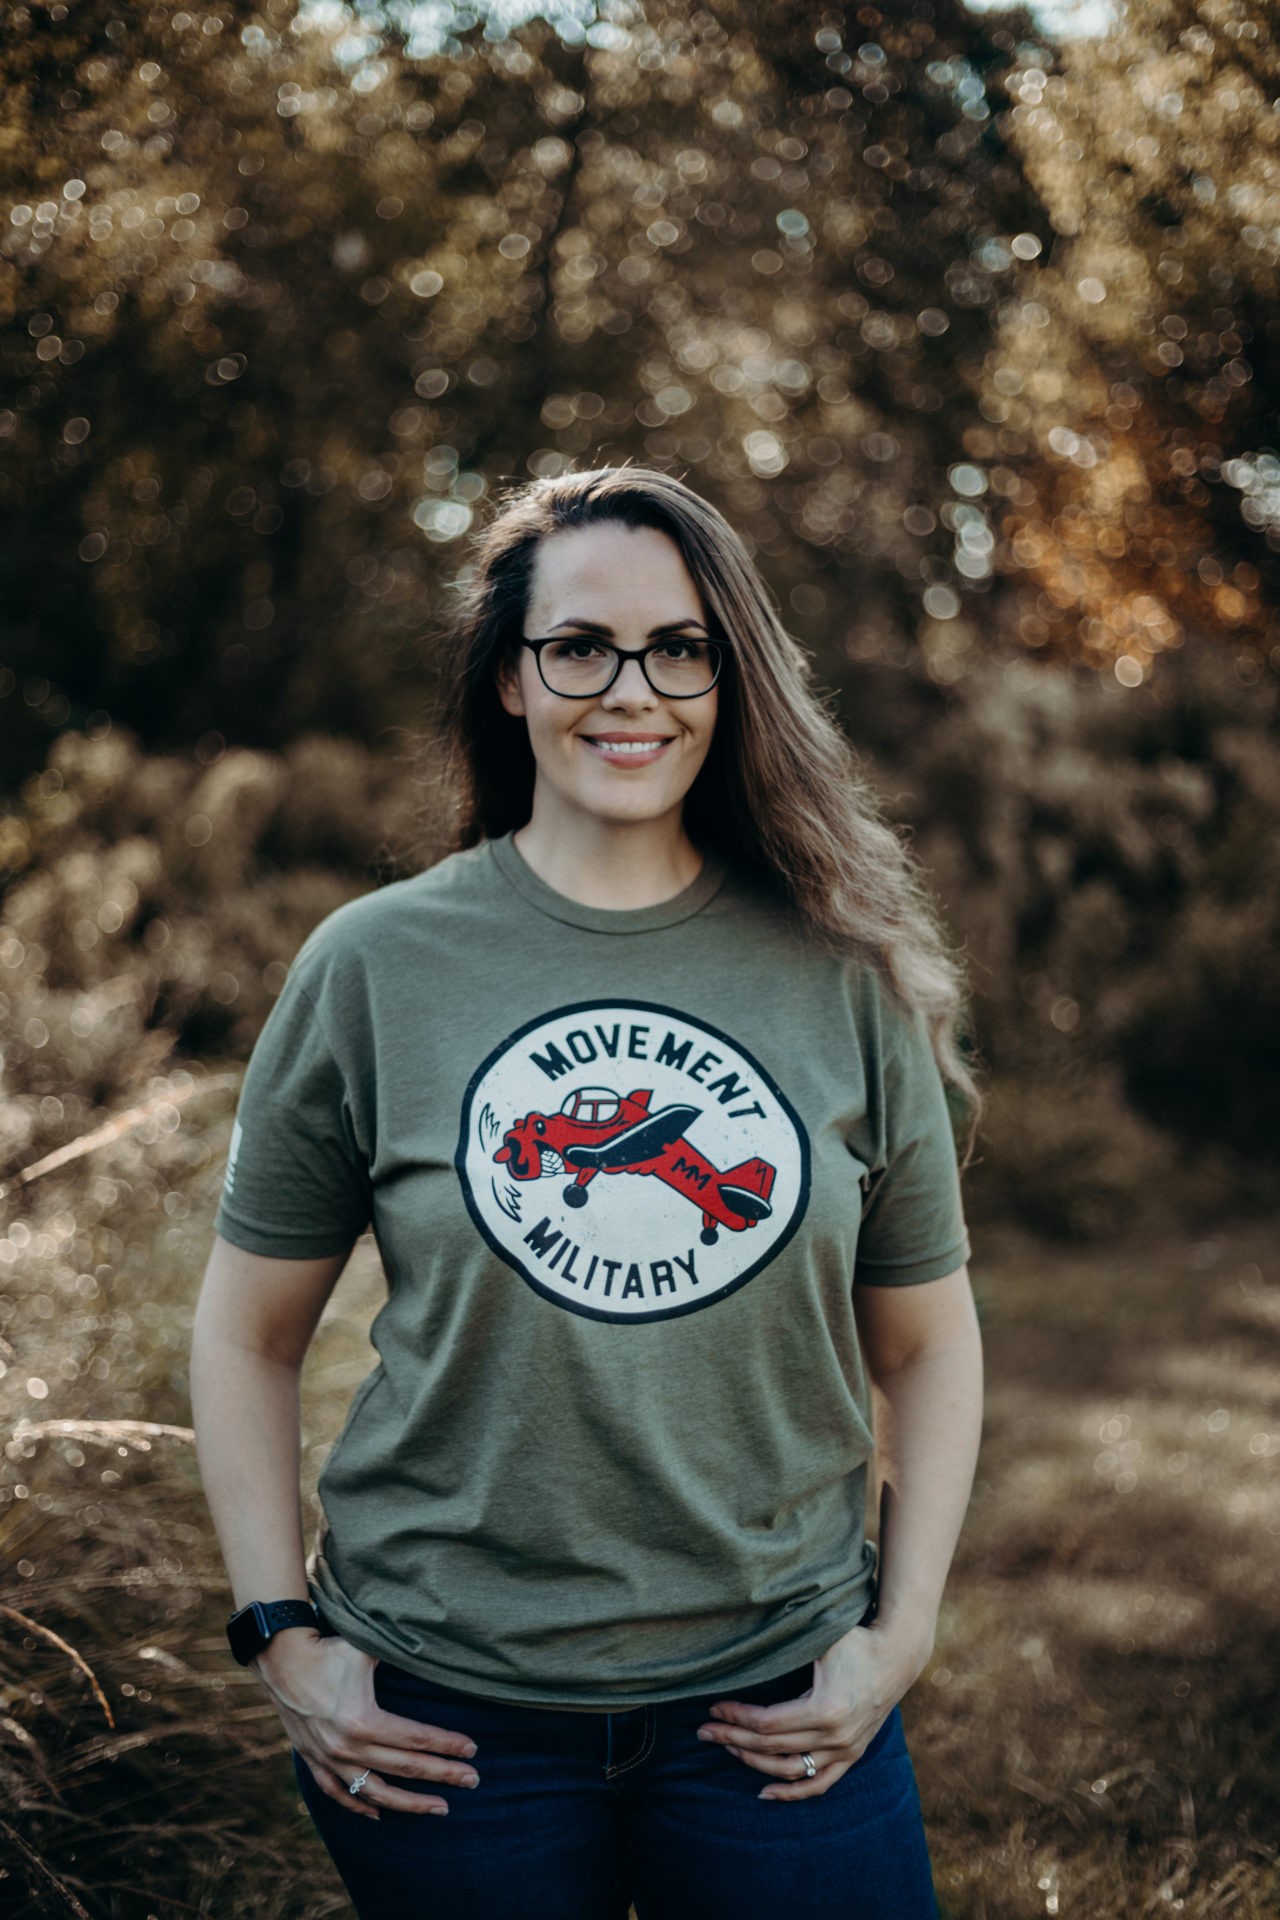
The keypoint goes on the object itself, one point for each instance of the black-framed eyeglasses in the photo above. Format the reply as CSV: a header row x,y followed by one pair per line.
x,y
577,666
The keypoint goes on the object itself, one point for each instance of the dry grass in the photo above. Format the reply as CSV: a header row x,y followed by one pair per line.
x,y
1095,1736
1097,1733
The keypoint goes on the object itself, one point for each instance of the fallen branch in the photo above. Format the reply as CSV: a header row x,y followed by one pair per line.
x,y
137,1432
114,1129
63,1646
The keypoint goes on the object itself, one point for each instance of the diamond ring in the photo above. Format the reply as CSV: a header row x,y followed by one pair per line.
x,y
356,1784
810,1765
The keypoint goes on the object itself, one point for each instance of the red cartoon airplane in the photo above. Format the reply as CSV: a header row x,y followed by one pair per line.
x,y
597,1131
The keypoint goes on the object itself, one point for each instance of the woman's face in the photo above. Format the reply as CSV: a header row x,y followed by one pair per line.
x,y
620,584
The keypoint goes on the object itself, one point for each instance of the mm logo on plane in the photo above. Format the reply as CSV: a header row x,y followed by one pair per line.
x,y
629,1161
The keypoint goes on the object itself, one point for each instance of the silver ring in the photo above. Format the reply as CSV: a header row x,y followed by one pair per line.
x,y
810,1765
356,1784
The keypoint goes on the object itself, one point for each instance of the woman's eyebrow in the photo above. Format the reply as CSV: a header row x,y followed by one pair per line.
x,y
655,633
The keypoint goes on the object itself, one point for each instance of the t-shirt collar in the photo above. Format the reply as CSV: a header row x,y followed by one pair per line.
x,y
557,906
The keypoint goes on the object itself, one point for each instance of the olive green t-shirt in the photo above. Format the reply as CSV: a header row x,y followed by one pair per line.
x,y
625,1170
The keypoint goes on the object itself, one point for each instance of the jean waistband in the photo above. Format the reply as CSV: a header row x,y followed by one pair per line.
x,y
795,1675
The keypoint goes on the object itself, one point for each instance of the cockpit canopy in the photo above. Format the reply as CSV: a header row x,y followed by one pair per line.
x,y
592,1105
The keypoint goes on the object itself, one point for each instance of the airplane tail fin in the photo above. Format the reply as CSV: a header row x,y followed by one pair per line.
x,y
745,1190
756,1176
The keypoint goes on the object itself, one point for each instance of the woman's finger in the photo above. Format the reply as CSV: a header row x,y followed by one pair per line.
x,y
375,1793
803,1740
823,1780
787,1716
790,1766
383,1793
334,1788
413,1766
394,1731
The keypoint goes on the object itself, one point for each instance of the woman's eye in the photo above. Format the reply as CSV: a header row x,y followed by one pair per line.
x,y
575,650
683,649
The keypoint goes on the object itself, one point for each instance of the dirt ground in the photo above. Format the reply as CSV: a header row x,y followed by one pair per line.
x,y
1097,1732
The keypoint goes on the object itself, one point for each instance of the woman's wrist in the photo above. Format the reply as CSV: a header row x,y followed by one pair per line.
x,y
281,1653
908,1640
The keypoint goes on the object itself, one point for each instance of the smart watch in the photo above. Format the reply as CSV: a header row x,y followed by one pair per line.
x,y
249,1629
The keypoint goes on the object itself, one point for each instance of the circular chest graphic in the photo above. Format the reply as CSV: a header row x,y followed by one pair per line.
x,y
631,1163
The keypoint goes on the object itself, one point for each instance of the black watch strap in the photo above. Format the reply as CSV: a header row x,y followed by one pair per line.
x,y
249,1630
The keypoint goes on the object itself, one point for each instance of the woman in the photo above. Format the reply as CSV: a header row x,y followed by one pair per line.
x,y
642,1089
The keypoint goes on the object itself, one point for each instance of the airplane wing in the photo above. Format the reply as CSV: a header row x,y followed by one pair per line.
x,y
642,1141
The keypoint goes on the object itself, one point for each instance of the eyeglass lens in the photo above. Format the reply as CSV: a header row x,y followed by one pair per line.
x,y
577,665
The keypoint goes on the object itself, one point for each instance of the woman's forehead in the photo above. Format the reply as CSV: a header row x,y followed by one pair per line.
x,y
607,565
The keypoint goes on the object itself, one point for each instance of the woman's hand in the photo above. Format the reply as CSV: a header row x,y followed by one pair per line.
x,y
322,1688
856,1685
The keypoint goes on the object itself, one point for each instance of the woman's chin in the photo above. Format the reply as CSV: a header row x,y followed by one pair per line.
x,y
627,806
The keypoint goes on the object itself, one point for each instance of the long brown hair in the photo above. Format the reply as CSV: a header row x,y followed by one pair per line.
x,y
780,793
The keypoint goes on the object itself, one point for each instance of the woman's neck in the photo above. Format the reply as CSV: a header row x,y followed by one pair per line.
x,y
606,863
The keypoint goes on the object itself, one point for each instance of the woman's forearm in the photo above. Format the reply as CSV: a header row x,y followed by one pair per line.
x,y
928,1429
246,1410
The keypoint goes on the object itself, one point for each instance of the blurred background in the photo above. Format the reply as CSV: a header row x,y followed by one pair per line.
x,y
968,319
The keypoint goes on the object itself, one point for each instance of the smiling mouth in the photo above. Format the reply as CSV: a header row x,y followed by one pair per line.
x,y
627,748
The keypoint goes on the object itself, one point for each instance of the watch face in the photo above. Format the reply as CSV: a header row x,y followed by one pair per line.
x,y
247,1632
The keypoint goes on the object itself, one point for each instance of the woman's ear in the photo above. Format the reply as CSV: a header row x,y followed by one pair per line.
x,y
507,679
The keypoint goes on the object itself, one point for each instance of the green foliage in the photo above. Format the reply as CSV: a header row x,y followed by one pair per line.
x,y
1109,859
294,295
1144,384
315,293
157,902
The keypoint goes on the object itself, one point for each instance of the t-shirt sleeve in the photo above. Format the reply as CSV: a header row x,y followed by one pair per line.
x,y
913,1226
296,1184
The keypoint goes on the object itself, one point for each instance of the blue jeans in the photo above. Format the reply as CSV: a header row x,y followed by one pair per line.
x,y
579,1815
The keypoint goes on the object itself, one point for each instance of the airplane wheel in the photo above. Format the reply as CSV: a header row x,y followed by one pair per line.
x,y
709,1236
575,1196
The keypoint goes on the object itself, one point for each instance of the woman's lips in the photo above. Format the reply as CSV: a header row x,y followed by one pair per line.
x,y
626,750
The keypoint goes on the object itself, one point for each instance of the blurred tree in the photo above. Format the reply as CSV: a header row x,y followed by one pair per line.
x,y
972,356
1110,857
1133,393
291,292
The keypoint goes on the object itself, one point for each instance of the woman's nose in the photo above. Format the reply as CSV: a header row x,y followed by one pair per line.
x,y
630,685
